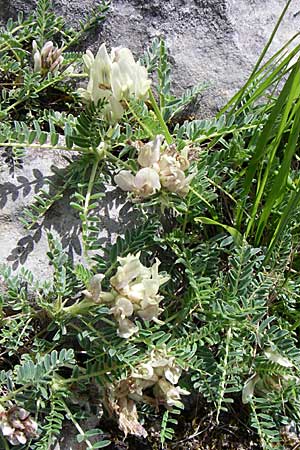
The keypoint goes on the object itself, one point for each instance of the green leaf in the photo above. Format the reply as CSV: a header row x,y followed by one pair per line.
x,y
237,236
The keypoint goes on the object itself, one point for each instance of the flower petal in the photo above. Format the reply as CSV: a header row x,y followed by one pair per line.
x,y
147,182
123,308
248,389
278,358
126,328
149,153
125,180
130,268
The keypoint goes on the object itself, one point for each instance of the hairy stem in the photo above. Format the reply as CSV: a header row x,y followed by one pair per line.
x,y
224,373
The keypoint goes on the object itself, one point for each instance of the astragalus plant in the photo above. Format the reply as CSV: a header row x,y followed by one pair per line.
x,y
198,302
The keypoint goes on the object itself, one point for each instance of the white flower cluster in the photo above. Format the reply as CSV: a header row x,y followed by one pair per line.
x,y
115,78
162,374
134,292
48,59
159,374
159,169
17,425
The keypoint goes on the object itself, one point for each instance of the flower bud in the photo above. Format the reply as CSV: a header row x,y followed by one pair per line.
x,y
48,59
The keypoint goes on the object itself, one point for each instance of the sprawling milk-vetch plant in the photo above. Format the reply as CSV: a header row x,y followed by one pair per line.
x,y
135,292
161,167
114,78
230,313
153,381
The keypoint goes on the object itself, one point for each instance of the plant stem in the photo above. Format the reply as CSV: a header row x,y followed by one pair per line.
x,y
224,373
139,120
200,197
29,94
12,394
77,426
159,116
86,206
115,159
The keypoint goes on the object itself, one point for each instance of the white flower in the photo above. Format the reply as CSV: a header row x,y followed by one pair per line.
x,y
123,308
159,278
158,170
126,328
149,153
141,82
114,110
171,176
175,181
88,60
103,65
135,292
121,81
137,282
95,293
125,180
182,159
17,425
114,78
96,90
130,268
144,378
149,309
124,55
172,373
129,77
128,418
278,358
144,184
169,393
94,290
145,371
147,182
248,389
165,366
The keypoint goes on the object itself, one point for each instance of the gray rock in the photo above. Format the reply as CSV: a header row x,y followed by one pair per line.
x,y
215,41
17,189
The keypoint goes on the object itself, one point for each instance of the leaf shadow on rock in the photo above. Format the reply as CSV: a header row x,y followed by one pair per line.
x,y
10,190
114,212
